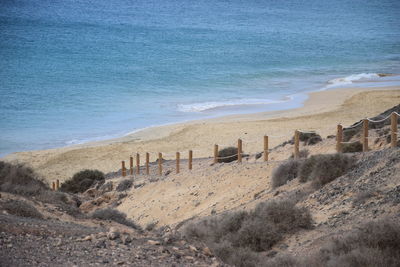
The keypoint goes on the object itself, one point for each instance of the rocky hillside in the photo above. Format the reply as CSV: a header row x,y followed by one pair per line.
x,y
282,212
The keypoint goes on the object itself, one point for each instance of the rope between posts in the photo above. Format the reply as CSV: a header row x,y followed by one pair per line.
x,y
349,142
353,126
311,132
379,120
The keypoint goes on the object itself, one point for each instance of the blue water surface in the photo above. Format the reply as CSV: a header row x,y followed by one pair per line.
x,y
76,70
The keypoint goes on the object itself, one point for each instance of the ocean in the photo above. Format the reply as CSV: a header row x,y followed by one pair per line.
x,y
74,71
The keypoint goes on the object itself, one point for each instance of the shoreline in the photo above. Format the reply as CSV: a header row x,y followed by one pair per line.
x,y
322,109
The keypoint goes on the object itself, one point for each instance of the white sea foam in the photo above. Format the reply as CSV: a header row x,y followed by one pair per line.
x,y
204,106
351,79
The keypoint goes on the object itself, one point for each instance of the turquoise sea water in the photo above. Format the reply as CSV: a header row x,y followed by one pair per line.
x,y
72,71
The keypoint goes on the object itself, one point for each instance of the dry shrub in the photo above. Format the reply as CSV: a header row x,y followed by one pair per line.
x,y
373,244
124,185
285,172
151,226
21,180
108,214
227,152
329,167
68,204
322,169
82,181
236,236
21,208
302,154
352,147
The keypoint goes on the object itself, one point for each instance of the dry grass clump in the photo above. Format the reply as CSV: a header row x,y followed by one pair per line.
x,y
285,172
124,185
21,208
309,139
236,236
82,181
303,154
374,244
21,180
352,147
108,214
230,152
322,169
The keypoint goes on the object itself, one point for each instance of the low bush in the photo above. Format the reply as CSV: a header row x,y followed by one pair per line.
x,y
108,214
285,172
329,167
374,244
309,139
236,236
21,208
322,169
21,180
362,197
230,152
124,185
82,181
151,226
352,147
302,154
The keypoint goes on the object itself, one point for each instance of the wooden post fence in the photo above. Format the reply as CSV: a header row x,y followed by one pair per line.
x,y
131,165
215,153
147,163
339,138
190,159
160,163
178,156
137,163
239,159
265,147
365,135
57,184
123,169
296,144
53,186
393,141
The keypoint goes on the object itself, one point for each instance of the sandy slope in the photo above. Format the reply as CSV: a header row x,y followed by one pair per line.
x,y
321,112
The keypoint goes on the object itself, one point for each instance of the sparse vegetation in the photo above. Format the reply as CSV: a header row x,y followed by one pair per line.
x,y
373,244
329,167
285,172
21,180
124,185
21,208
108,214
352,147
235,236
302,154
309,139
82,181
151,226
230,152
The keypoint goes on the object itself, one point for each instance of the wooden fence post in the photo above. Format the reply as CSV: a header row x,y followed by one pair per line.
x,y
239,159
190,159
137,163
147,163
215,153
123,169
178,156
53,186
393,136
265,147
365,135
339,138
57,184
296,144
160,163
131,165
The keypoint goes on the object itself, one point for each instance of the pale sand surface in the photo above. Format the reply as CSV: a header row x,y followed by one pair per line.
x,y
321,112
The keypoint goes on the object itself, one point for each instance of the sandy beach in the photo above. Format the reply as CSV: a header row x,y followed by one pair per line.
x,y
321,112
